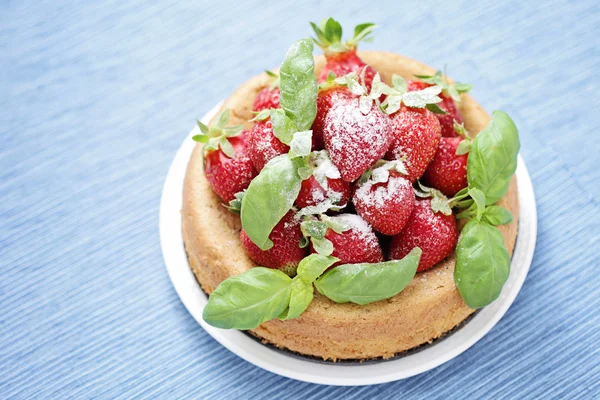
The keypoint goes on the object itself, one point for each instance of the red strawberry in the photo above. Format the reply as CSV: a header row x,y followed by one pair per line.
x,y
263,145
448,171
312,193
357,244
447,104
415,137
286,252
355,141
325,100
434,233
227,176
267,98
344,63
385,205
341,57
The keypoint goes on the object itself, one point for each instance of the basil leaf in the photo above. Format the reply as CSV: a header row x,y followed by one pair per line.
x,y
298,84
245,301
482,264
366,283
268,198
479,199
496,215
301,144
283,127
301,296
312,266
493,157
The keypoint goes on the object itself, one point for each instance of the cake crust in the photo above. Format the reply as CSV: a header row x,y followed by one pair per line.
x,y
429,306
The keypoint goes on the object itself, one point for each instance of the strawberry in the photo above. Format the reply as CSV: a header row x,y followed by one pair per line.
x,y
385,205
450,95
263,145
325,100
268,97
285,253
227,164
415,136
356,132
312,193
356,244
448,170
226,175
341,58
433,232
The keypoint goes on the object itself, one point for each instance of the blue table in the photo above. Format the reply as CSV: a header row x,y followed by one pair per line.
x,y
96,98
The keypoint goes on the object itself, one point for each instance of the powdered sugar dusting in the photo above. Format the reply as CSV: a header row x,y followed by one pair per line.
x,y
355,141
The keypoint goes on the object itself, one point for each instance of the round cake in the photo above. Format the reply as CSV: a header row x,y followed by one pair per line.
x,y
426,309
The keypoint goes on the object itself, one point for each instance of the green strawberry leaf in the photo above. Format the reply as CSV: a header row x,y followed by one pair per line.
x,y
493,157
245,301
203,128
434,108
235,205
482,264
362,32
366,283
200,138
268,198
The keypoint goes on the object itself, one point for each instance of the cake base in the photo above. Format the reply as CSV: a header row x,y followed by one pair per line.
x,y
429,307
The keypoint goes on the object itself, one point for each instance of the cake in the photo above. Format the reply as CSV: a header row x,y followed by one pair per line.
x,y
427,308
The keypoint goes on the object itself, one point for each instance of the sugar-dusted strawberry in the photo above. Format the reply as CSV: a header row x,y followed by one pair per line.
x,y
263,145
268,97
341,57
433,232
325,100
385,202
415,136
357,132
312,193
286,252
355,243
450,95
227,164
448,170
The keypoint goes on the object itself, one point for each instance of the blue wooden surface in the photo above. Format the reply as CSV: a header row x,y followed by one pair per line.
x,y
96,98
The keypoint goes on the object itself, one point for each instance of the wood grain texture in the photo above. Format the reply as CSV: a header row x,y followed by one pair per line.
x,y
95,98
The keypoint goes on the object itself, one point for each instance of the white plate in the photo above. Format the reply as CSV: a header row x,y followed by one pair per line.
x,y
330,373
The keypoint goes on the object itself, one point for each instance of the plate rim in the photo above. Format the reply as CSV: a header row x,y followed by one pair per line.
x,y
191,295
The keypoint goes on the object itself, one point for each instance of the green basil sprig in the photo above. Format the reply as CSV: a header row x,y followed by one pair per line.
x,y
268,198
493,157
482,260
366,283
260,294
482,264
273,192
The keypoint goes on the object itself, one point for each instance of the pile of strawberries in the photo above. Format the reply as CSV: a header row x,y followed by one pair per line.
x,y
381,171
